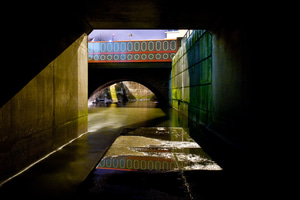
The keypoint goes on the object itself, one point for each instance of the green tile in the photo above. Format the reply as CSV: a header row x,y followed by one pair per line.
x,y
203,117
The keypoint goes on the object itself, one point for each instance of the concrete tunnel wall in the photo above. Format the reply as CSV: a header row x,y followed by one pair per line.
x,y
211,83
190,81
31,45
48,112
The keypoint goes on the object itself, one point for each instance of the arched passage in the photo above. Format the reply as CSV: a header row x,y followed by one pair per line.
x,y
125,91
155,79
98,91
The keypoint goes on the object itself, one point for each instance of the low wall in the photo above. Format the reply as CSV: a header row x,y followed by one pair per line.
x,y
48,112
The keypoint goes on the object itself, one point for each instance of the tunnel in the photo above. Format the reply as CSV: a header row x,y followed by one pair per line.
x,y
156,79
138,92
45,90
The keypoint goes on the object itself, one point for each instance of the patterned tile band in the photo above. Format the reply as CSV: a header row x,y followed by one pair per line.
x,y
132,51
133,163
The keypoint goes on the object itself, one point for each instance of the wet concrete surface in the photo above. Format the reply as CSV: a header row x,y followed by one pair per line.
x,y
149,163
78,171
156,149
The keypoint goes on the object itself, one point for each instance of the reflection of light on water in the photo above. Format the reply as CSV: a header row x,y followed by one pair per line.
x,y
148,152
196,162
180,144
202,167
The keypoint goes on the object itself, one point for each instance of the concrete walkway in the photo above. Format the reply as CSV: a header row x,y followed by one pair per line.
x,y
59,176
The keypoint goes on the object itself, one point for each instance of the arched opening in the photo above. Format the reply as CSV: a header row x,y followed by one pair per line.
x,y
122,92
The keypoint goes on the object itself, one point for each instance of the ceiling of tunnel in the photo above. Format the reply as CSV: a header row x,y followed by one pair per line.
x,y
46,29
149,14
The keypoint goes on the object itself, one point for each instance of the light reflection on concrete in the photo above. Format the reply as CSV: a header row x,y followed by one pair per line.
x,y
156,149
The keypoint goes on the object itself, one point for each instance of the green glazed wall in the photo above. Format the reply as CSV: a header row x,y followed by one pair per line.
x,y
190,81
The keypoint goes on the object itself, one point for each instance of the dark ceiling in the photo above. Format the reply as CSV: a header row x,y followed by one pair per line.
x,y
33,34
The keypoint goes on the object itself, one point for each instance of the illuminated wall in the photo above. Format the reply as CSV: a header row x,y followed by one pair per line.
x,y
47,113
190,81
132,51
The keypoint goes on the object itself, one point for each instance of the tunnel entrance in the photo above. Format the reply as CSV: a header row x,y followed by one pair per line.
x,y
122,92
144,56
144,144
225,96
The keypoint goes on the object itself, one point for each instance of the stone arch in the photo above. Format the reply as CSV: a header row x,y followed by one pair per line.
x,y
155,79
95,94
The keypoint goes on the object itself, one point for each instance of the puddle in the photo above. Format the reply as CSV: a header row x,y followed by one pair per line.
x,y
155,150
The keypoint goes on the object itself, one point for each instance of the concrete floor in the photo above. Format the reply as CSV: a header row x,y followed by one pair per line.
x,y
70,172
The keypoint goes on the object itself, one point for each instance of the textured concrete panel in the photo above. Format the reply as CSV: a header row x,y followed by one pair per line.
x,y
49,111
26,122
70,83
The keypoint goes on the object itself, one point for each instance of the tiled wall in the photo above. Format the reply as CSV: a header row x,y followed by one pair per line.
x,y
132,51
190,81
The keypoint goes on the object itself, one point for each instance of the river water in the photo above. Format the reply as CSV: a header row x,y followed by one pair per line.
x,y
153,154
133,114
154,166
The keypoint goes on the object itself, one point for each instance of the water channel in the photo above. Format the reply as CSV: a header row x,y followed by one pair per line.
x,y
163,168
133,114
153,154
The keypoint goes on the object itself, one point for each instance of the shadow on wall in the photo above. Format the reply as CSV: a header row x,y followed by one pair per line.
x,y
47,113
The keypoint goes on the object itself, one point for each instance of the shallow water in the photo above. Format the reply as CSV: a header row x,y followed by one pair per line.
x,y
138,151
151,159
160,135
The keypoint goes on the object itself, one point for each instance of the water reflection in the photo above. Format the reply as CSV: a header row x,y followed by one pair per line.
x,y
134,114
132,104
156,149
150,162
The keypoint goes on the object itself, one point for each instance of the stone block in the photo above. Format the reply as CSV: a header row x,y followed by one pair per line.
x,y
194,72
197,51
184,108
174,93
205,46
203,117
175,104
185,64
185,78
205,71
192,78
179,80
204,92
193,113
186,94
195,95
